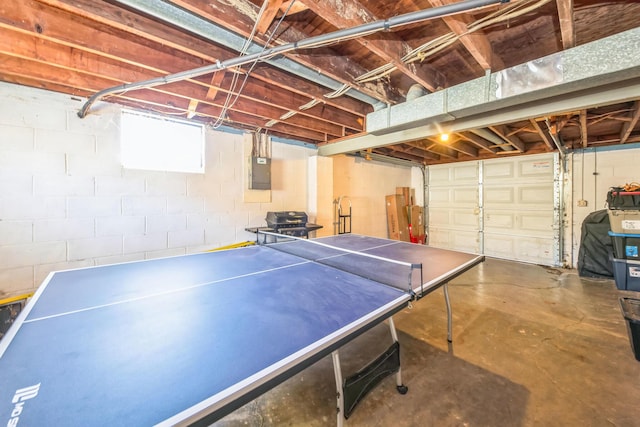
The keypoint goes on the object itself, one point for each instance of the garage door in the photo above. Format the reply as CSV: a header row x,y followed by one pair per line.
x,y
453,207
506,208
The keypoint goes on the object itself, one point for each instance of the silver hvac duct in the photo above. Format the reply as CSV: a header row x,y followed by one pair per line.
x,y
309,43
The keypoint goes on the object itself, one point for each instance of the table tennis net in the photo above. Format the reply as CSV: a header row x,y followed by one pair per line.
x,y
401,275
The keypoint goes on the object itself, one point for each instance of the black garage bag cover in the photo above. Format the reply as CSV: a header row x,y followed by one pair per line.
x,y
596,248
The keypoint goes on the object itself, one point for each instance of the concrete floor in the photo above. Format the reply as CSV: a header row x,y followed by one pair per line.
x,y
532,346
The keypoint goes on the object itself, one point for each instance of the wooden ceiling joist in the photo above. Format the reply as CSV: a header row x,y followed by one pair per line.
x,y
513,141
627,127
584,132
566,20
350,13
476,43
543,135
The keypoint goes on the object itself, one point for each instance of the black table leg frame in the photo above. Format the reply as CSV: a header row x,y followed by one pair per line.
x,y
352,390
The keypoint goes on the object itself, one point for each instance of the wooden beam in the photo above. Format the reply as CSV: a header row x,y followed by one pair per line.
x,y
443,151
394,152
270,12
567,26
476,43
216,80
458,145
293,9
106,70
350,13
419,150
514,141
584,137
476,140
238,16
96,17
191,109
542,133
627,127
90,72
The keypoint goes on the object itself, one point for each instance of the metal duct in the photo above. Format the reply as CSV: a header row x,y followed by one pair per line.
x,y
416,91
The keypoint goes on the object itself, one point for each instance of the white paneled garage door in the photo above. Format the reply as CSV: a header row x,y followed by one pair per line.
x,y
506,208
454,220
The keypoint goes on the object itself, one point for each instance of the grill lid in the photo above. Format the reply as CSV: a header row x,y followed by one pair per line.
x,y
285,219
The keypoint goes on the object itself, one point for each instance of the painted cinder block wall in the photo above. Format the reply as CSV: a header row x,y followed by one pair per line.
x,y
66,202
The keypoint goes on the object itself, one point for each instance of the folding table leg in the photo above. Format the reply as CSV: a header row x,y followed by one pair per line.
x,y
339,395
449,319
402,389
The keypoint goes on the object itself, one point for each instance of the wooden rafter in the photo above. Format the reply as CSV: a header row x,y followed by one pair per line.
x,y
350,13
292,6
514,141
241,20
476,43
270,12
542,134
584,129
457,145
216,80
435,148
627,127
191,109
108,56
476,140
567,27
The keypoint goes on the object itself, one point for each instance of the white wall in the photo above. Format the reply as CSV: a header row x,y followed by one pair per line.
x,y
365,183
593,172
65,201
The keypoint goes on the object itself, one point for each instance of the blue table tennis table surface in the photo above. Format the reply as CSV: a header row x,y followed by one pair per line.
x,y
169,341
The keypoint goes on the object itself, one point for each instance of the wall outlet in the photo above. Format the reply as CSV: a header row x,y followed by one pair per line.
x,y
582,203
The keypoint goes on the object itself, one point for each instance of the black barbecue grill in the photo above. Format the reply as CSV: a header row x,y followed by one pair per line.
x,y
290,223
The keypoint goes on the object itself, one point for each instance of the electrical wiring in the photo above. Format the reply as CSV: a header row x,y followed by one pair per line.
x,y
228,103
310,104
338,92
234,81
512,10
376,73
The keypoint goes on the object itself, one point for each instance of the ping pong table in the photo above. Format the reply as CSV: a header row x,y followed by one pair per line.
x,y
187,340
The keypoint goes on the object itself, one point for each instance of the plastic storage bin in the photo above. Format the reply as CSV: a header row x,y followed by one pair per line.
x,y
626,274
631,311
625,246
624,221
620,199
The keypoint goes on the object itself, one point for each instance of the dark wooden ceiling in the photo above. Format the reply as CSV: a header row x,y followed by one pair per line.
x,y
81,47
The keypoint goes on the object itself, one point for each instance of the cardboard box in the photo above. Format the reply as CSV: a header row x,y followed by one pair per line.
x,y
416,219
408,193
397,221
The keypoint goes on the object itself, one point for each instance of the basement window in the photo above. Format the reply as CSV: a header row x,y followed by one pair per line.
x,y
153,142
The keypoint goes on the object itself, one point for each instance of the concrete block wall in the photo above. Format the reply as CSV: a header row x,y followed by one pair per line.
x,y
66,202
